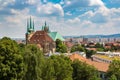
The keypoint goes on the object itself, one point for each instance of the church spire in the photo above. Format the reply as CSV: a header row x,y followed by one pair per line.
x,y
45,27
27,25
33,26
45,23
30,23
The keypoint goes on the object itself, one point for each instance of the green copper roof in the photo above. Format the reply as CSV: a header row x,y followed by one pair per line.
x,y
45,28
30,25
55,36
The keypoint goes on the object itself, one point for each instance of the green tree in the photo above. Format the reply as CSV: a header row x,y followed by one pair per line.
x,y
74,48
113,77
22,47
60,47
100,49
48,70
98,45
115,48
89,53
114,69
83,71
77,48
58,68
80,48
34,61
11,62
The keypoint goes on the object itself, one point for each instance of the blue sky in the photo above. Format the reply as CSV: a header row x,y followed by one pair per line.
x,y
68,17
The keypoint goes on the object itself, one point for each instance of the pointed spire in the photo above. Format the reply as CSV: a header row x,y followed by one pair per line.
x,y
33,25
30,23
27,25
45,23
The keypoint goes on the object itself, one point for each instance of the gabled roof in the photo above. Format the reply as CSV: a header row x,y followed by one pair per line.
x,y
55,36
40,37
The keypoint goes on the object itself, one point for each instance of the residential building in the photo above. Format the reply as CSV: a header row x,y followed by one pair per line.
x,y
100,66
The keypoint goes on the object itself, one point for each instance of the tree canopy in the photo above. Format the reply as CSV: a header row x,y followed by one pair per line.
x,y
60,46
89,53
77,47
114,69
58,68
27,62
11,62
83,71
34,62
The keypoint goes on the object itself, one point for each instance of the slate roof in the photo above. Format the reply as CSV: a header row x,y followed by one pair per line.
x,y
56,35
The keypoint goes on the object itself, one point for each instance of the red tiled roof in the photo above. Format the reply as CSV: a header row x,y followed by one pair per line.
x,y
98,65
40,37
108,47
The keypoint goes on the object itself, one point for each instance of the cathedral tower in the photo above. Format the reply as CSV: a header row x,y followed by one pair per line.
x,y
45,28
30,29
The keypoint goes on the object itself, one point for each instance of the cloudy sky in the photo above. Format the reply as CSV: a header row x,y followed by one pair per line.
x,y
68,17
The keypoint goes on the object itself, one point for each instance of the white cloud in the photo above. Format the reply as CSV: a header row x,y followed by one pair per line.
x,y
76,4
18,17
100,21
4,3
96,3
101,16
76,26
73,21
72,4
15,25
50,9
68,13
33,2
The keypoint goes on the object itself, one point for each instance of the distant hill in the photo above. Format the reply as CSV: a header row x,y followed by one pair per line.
x,y
95,36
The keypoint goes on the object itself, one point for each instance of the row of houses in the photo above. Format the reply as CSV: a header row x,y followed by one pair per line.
x,y
95,40
100,66
111,54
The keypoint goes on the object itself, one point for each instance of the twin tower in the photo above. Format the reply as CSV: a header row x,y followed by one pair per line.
x,y
30,26
31,30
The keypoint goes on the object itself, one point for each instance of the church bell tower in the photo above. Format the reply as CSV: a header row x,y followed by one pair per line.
x,y
30,29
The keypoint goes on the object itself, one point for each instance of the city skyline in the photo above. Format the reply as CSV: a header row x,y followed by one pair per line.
x,y
68,17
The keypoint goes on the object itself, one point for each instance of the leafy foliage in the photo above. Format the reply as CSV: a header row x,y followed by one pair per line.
x,y
58,68
11,62
60,47
26,62
83,71
89,53
113,77
114,69
34,61
98,45
77,48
